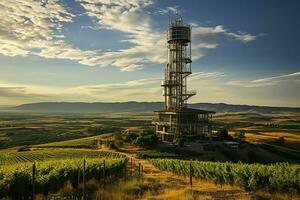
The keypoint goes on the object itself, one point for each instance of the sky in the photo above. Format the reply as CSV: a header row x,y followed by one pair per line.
x,y
243,51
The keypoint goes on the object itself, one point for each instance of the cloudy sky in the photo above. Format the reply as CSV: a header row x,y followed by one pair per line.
x,y
244,51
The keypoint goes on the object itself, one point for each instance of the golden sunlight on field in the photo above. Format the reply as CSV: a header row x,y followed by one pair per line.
x,y
265,136
290,139
170,186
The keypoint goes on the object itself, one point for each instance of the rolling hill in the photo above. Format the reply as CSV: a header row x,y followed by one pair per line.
x,y
133,106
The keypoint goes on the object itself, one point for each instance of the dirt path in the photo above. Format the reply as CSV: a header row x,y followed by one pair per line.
x,y
178,187
166,185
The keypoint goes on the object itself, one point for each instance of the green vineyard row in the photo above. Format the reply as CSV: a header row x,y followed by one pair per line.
x,y
16,179
11,157
281,177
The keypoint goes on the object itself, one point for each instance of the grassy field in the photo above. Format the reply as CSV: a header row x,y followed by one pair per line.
x,y
17,129
35,137
264,130
13,156
280,118
86,142
81,130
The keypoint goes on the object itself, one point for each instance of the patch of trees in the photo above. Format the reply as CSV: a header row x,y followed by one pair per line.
x,y
239,136
24,148
222,134
278,141
137,137
282,151
252,156
102,129
231,125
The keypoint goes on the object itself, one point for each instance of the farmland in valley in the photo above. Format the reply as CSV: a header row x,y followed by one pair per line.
x,y
65,140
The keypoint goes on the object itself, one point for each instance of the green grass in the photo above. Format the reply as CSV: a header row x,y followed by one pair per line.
x,y
19,128
168,153
155,154
282,151
229,153
12,156
259,129
81,142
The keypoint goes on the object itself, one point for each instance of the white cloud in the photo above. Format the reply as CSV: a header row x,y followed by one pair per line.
x,y
34,27
169,10
130,18
205,38
273,91
210,86
135,90
13,92
142,85
269,81
205,75
138,90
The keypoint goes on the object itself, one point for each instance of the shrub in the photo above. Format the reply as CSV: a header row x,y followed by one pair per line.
x,y
118,140
102,129
252,156
140,137
146,140
240,136
129,136
278,141
179,142
24,148
223,134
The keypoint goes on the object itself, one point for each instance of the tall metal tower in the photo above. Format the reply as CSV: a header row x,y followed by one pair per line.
x,y
177,120
178,66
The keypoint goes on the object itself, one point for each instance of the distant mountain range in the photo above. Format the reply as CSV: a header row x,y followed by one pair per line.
x,y
133,106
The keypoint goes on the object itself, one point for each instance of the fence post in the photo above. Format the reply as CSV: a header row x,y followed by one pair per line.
x,y
33,180
83,178
104,175
142,173
125,171
78,178
78,183
191,174
131,166
139,170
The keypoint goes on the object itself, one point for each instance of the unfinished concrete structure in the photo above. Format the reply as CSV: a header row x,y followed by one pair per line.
x,y
177,120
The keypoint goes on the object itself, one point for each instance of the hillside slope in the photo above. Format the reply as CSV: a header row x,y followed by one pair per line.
x,y
142,107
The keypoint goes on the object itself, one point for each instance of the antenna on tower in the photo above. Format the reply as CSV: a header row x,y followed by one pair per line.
x,y
178,15
175,16
170,15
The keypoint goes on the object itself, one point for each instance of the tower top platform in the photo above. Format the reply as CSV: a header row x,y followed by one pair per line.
x,y
178,31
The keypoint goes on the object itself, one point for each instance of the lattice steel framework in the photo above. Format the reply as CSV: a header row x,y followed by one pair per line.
x,y
178,67
177,121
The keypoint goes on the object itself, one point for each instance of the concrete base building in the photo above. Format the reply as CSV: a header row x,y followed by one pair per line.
x,y
186,123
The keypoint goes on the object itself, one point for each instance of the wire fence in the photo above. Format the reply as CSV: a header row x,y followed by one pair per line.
x,y
132,169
